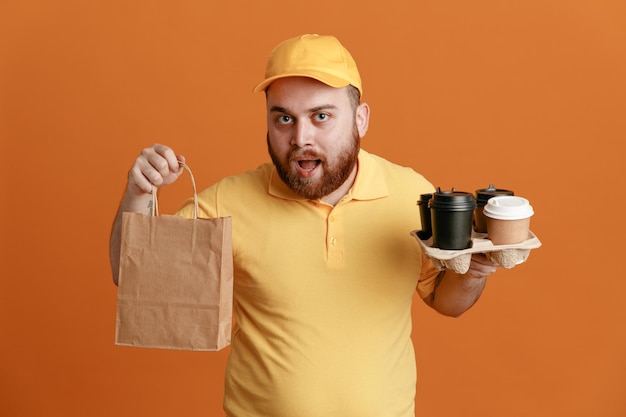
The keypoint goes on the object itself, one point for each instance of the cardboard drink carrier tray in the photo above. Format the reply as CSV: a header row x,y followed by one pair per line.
x,y
506,256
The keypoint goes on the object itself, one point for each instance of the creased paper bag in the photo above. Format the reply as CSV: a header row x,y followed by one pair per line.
x,y
175,281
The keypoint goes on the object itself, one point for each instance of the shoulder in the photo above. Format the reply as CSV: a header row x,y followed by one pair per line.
x,y
253,178
242,190
391,170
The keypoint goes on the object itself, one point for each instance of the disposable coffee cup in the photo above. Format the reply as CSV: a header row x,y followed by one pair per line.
x,y
508,219
482,196
451,214
422,203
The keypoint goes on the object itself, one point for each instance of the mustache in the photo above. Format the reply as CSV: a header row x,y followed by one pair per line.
x,y
304,154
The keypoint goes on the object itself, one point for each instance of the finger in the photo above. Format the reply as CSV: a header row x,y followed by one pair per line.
x,y
169,156
151,166
482,259
149,170
155,166
139,181
481,267
153,159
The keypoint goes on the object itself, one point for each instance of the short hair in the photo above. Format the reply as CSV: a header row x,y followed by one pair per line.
x,y
354,95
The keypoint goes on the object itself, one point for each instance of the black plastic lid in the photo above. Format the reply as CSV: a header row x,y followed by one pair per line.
x,y
424,199
452,200
483,195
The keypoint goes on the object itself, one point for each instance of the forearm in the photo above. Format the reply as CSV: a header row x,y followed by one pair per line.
x,y
454,294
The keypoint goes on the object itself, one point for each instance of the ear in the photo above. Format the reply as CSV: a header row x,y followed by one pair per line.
x,y
362,118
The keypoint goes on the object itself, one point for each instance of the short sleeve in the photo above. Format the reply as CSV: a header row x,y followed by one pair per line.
x,y
428,277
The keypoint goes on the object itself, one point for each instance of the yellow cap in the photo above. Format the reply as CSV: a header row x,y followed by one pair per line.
x,y
314,56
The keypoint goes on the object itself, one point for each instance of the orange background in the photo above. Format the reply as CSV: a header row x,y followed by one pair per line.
x,y
529,95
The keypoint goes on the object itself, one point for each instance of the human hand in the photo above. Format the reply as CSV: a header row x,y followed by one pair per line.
x,y
155,166
480,267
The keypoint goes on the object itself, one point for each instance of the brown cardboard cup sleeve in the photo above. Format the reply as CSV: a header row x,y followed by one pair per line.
x,y
175,281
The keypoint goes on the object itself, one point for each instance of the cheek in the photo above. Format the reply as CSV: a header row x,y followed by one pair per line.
x,y
279,143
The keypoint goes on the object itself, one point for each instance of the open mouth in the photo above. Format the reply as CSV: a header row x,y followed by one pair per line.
x,y
308,164
307,168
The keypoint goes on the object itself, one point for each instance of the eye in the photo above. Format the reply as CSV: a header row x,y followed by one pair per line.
x,y
320,117
284,119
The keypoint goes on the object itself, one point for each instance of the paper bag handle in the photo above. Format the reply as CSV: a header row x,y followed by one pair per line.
x,y
155,203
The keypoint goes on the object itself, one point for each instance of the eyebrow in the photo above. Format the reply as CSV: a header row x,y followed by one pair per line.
x,y
278,109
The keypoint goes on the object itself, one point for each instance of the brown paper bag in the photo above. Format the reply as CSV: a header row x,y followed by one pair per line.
x,y
175,281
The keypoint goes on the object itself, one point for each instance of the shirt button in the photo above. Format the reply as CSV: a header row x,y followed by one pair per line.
x,y
333,241
332,218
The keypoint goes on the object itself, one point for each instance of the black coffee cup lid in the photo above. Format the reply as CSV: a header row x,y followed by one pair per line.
x,y
424,199
452,200
483,195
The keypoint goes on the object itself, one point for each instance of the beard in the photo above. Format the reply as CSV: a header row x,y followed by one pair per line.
x,y
334,174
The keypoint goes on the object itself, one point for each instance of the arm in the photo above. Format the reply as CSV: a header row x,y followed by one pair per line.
x,y
154,167
454,293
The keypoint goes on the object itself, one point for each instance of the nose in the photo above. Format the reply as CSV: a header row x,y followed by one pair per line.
x,y
302,134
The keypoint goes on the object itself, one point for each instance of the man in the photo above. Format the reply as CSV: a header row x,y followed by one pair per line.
x,y
325,268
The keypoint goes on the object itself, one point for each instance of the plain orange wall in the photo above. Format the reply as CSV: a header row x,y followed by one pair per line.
x,y
529,95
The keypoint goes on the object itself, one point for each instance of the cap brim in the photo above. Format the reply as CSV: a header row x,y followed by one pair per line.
x,y
327,79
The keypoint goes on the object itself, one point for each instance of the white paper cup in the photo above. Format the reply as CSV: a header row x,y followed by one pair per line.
x,y
508,219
